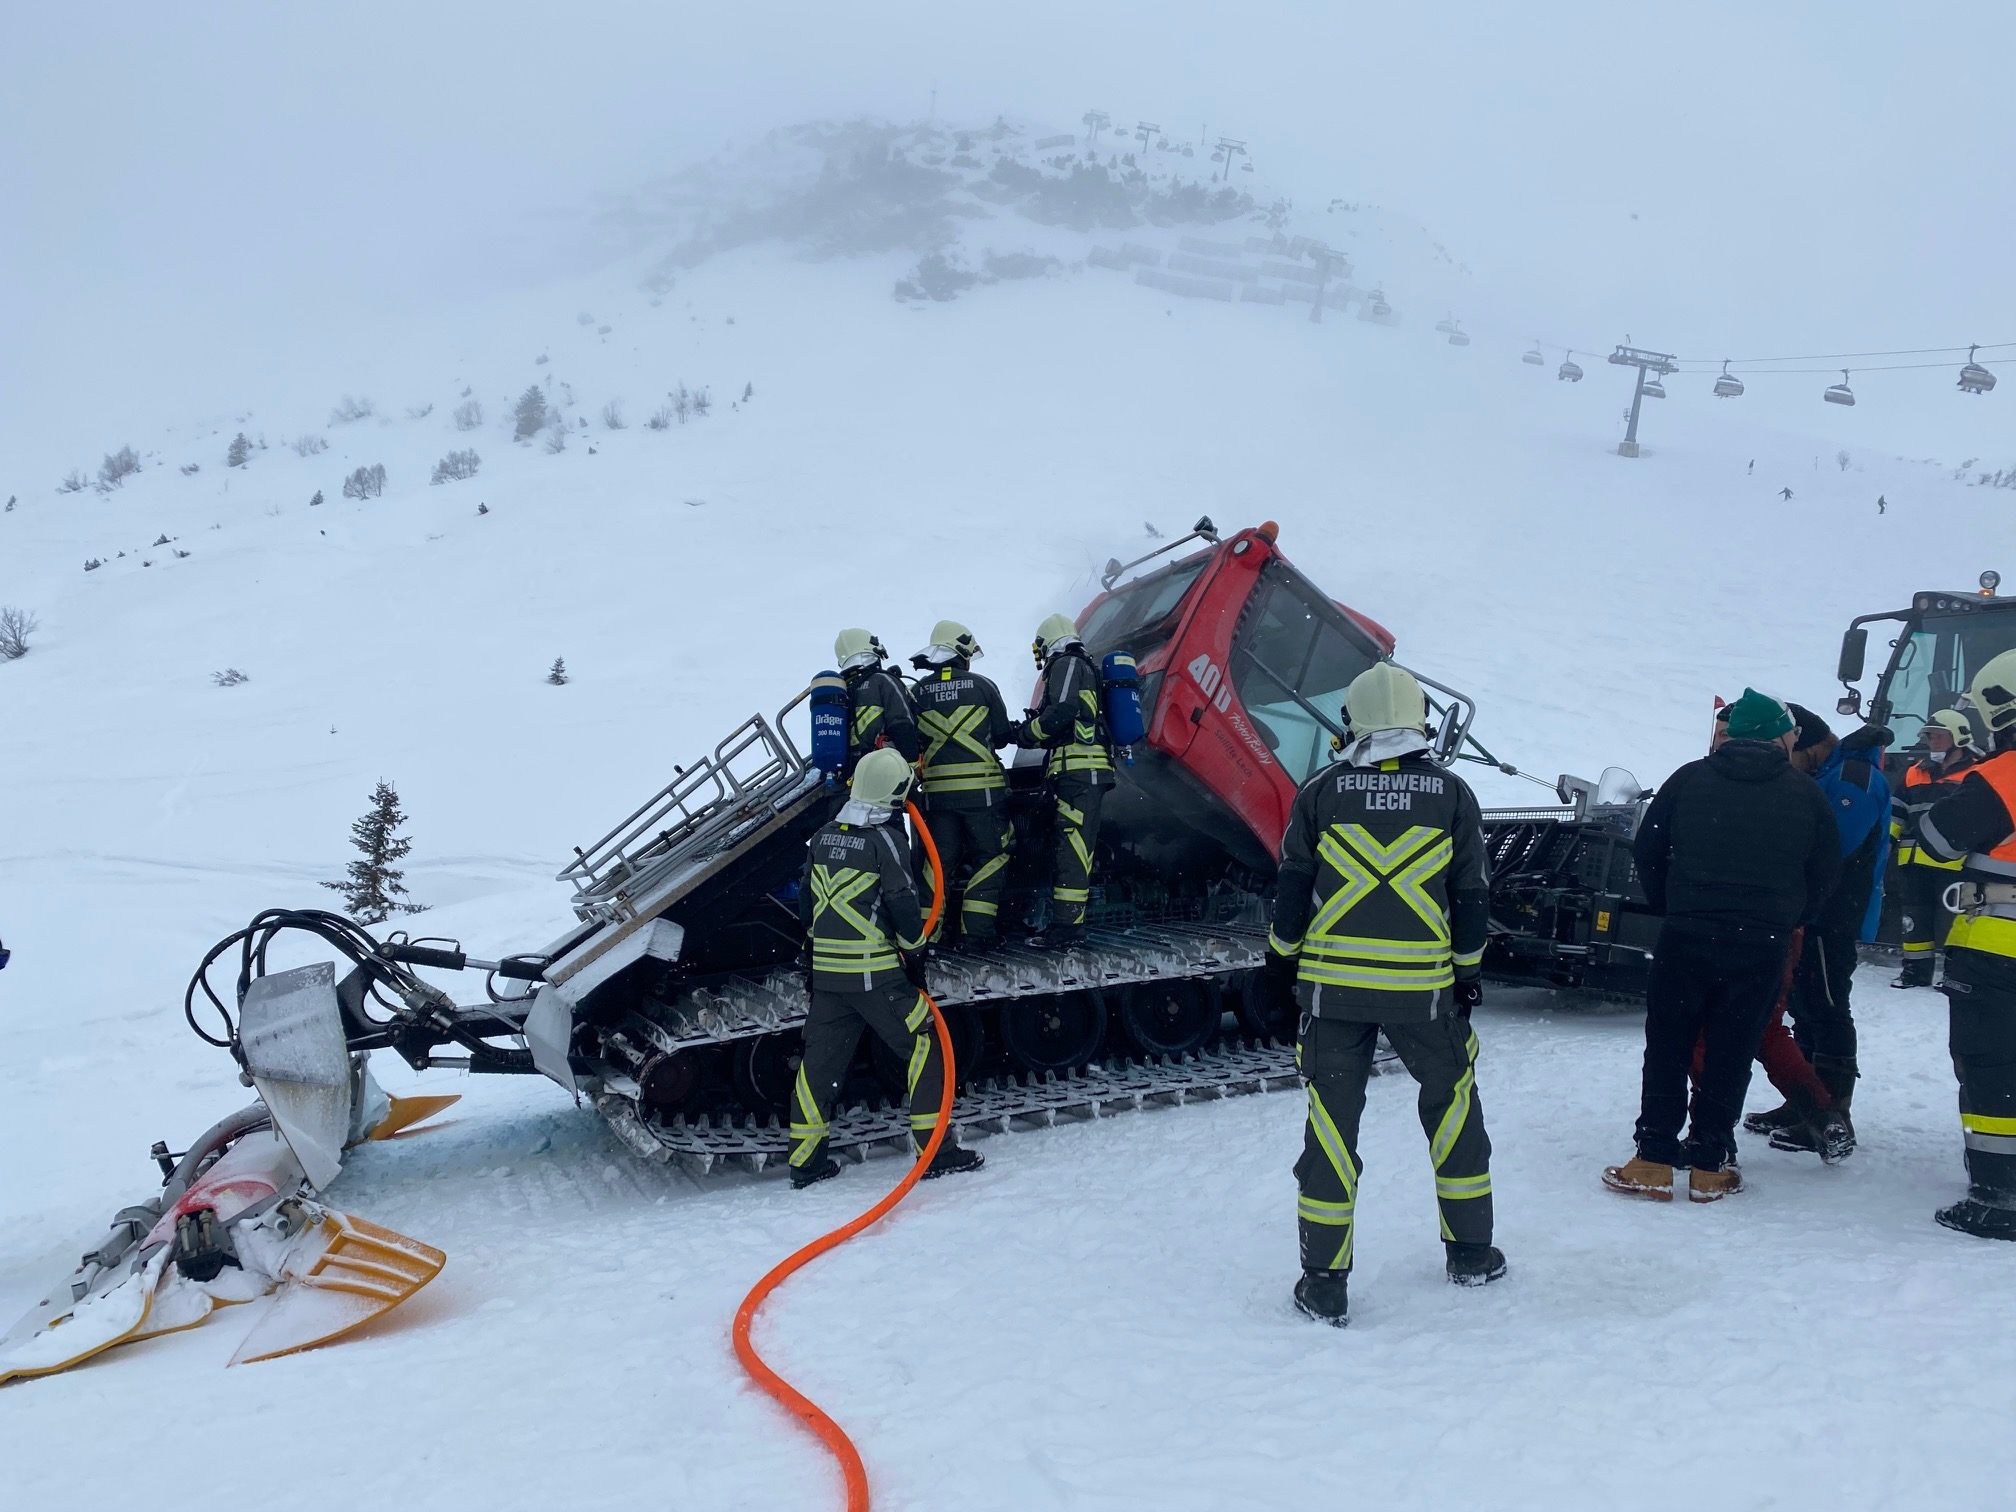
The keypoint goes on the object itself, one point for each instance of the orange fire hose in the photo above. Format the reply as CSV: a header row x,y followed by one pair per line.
x,y
809,1412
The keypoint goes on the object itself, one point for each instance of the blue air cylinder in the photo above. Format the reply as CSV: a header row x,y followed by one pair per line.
x,y
829,723
1125,725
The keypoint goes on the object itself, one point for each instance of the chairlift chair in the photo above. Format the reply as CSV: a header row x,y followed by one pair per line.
x,y
1458,337
1534,357
1728,386
1974,378
1840,393
1571,370
1446,325
1654,389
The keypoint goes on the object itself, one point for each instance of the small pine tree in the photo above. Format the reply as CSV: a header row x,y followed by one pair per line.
x,y
316,500
529,414
557,673
748,392
240,450
375,888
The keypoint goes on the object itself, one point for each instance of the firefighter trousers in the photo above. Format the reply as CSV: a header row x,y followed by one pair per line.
x,y
1335,1057
901,1018
1078,799
1981,1026
973,844
1921,916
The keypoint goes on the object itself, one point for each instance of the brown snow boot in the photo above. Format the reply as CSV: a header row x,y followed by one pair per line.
x,y
1639,1177
1713,1186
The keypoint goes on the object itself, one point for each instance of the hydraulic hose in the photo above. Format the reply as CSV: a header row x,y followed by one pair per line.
x,y
807,1411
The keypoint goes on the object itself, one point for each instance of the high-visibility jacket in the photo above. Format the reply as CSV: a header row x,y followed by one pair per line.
x,y
1382,895
1069,721
1976,825
878,714
963,722
1924,785
858,903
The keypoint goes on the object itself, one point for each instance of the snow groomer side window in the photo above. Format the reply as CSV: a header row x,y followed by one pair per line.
x,y
1294,659
1134,618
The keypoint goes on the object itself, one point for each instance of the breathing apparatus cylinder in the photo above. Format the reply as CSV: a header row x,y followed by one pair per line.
x,y
828,701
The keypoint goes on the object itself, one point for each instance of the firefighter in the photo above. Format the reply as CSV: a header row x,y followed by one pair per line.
x,y
1379,920
863,931
963,722
1975,824
1921,878
1069,722
878,710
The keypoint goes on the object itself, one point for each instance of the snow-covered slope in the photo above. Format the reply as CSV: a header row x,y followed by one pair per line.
x,y
1100,1319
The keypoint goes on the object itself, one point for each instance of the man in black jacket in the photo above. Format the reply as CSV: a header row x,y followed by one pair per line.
x,y
1736,851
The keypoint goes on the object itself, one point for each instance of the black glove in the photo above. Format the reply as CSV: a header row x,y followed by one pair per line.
x,y
913,968
805,954
1277,979
1468,995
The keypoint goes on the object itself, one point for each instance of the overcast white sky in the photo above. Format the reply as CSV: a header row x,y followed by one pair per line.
x,y
247,177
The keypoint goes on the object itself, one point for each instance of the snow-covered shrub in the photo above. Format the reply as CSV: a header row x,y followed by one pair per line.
x,y
16,625
118,466
556,434
661,418
230,677
239,450
365,482
702,402
469,415
612,415
74,481
309,446
190,469
419,411
456,466
350,410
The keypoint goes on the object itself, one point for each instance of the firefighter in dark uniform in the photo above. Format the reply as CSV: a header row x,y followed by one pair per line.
x,y
963,722
1976,826
1379,921
878,710
1921,877
863,929
1069,722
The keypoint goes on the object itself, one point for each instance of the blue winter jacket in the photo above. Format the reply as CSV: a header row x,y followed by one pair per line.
x,y
1861,810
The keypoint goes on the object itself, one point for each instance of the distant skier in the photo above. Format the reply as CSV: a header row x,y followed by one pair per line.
x,y
1752,469
1785,493
1882,505
1379,922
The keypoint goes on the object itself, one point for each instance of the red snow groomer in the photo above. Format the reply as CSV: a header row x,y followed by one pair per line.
x,y
676,1001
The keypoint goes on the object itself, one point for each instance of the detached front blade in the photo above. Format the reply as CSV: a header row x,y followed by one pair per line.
x,y
62,1333
335,1276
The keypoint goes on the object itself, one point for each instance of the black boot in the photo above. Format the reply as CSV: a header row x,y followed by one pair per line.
x,y
1058,937
1916,973
1474,1264
1983,1213
1826,1133
1784,1116
1324,1296
1840,1074
825,1168
951,1160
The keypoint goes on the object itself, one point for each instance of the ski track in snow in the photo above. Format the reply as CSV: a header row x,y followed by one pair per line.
x,y
1100,1318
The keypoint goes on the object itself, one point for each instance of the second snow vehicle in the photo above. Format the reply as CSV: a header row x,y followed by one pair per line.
x,y
1939,641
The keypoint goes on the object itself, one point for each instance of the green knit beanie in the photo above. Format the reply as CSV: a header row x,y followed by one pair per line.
x,y
1758,716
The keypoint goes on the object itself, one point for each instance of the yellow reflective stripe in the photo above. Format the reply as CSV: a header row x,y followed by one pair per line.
x,y
923,1121
1919,947
1076,816
810,1128
1469,957
1385,857
1376,978
1462,1188
1410,884
920,1052
1280,946
920,1012
1983,932
1366,947
865,719
1071,894
1316,1210
1355,883
986,869
1079,848
1982,1123
1458,1112
976,906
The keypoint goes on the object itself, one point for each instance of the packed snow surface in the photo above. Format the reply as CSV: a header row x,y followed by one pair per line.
x,y
1100,1318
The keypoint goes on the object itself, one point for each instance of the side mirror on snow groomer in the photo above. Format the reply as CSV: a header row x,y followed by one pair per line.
x,y
1854,650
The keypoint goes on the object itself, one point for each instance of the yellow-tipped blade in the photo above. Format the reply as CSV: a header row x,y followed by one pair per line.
x,y
70,1334
408,1111
344,1272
